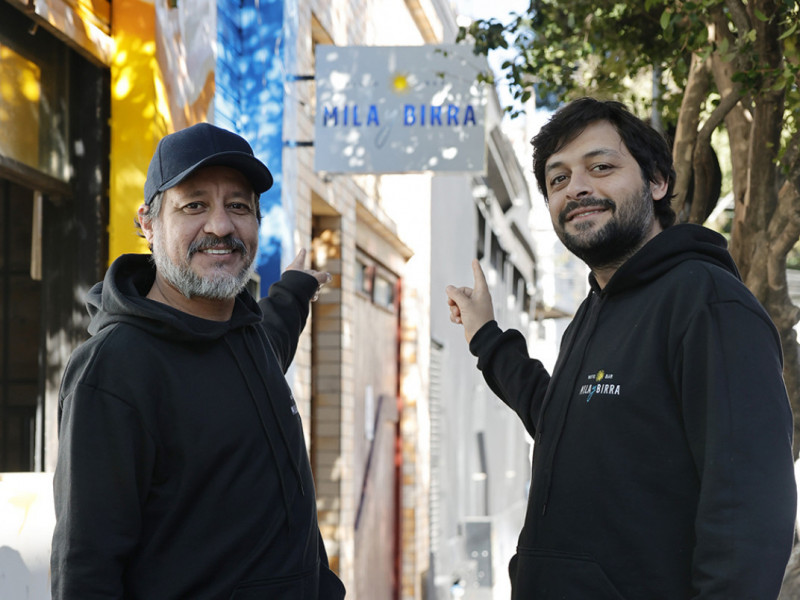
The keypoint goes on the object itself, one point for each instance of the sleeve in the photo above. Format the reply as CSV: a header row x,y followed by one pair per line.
x,y
738,423
102,476
285,311
518,380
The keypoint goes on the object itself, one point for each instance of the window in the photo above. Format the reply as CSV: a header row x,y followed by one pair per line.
x,y
364,275
375,282
384,291
34,72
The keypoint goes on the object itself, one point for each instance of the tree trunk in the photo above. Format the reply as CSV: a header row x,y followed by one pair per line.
x,y
694,97
772,228
786,316
783,233
738,123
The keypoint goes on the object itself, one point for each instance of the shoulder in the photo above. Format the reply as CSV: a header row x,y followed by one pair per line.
x,y
117,360
697,295
700,282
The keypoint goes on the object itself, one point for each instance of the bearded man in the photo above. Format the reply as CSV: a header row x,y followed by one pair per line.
x,y
182,469
662,464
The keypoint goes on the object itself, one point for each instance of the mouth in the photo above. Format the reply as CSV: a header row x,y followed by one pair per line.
x,y
578,215
217,250
584,210
214,246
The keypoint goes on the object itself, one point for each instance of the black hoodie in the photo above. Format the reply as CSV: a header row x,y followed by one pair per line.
x,y
662,461
182,469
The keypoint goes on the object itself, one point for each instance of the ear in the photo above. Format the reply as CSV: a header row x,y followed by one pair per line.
x,y
658,189
146,223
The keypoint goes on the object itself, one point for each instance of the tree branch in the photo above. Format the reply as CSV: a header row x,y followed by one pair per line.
x,y
718,115
784,227
791,161
739,16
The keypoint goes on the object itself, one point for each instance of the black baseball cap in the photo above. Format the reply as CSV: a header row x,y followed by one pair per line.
x,y
180,154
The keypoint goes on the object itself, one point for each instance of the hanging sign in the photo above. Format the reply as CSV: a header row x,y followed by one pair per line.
x,y
399,109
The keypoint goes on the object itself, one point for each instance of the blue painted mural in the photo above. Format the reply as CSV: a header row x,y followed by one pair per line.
x,y
249,99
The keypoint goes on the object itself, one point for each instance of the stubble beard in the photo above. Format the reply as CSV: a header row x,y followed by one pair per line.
x,y
620,238
220,285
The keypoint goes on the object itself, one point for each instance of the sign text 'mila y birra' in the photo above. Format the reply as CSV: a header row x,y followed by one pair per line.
x,y
448,115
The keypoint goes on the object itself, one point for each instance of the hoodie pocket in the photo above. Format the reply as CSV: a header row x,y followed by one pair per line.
x,y
296,587
553,575
330,586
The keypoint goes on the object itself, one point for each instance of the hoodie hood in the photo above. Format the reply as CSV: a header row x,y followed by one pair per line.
x,y
121,298
669,248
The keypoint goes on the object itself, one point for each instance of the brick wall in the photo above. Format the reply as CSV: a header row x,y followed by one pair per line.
x,y
340,209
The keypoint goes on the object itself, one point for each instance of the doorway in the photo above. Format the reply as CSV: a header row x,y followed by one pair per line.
x,y
21,391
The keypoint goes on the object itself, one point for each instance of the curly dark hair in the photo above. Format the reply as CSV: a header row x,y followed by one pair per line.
x,y
645,144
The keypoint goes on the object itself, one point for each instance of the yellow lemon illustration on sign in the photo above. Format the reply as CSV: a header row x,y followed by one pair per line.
x,y
400,83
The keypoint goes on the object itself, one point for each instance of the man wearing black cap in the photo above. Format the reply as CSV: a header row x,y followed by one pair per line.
x,y
182,469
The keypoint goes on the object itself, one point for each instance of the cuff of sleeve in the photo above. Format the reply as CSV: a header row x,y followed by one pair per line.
x,y
484,338
301,284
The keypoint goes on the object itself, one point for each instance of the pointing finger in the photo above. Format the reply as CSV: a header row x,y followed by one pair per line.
x,y
480,278
298,262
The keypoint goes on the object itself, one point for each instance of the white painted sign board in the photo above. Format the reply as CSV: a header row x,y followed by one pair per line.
x,y
399,109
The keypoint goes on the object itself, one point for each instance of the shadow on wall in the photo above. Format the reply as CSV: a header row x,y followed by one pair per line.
x,y
27,519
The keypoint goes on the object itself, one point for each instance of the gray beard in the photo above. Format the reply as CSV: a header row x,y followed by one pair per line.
x,y
619,239
219,286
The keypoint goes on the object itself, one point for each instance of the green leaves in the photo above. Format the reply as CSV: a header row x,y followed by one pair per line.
x,y
567,48
760,16
666,19
790,31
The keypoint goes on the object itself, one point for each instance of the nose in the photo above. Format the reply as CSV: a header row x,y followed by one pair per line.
x,y
580,185
219,222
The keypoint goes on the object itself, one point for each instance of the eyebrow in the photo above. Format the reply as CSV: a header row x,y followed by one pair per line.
x,y
200,192
590,154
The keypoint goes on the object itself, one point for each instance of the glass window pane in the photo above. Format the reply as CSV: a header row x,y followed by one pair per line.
x,y
384,292
20,95
33,91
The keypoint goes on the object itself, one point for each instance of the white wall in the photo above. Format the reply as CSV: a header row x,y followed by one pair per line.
x,y
27,519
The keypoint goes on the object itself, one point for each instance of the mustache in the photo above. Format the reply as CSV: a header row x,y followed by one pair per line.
x,y
585,203
229,242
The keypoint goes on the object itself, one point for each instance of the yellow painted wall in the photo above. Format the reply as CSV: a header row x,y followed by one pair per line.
x,y
136,121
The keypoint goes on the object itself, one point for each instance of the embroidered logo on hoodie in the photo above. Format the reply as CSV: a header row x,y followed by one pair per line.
x,y
603,385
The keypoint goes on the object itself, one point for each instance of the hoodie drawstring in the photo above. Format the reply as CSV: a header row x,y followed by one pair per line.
x,y
265,350
264,428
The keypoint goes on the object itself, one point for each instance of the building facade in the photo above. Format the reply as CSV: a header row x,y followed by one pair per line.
x,y
414,469
480,457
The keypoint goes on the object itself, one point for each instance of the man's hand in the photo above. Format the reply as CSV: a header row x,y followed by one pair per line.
x,y
298,264
471,307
